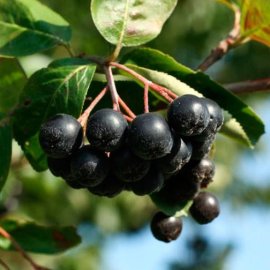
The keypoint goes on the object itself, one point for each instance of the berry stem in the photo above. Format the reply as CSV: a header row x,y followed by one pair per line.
x,y
145,98
112,87
83,118
126,108
6,235
164,92
128,118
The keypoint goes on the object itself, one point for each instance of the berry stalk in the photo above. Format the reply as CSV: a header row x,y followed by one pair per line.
x,y
163,91
83,118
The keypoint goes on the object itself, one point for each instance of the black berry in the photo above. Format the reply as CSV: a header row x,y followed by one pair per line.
x,y
127,166
150,137
109,187
106,129
188,115
205,208
60,136
179,156
152,182
166,228
90,167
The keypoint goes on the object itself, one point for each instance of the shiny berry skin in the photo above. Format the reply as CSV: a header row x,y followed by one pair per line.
x,y
150,137
205,208
165,228
89,166
127,166
61,136
106,129
188,115
180,154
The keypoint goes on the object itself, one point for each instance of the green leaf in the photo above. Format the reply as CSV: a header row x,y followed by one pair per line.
x,y
252,125
232,129
39,239
27,27
255,20
166,205
49,91
130,22
12,81
5,148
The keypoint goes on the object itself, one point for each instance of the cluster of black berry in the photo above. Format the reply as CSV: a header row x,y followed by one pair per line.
x,y
148,156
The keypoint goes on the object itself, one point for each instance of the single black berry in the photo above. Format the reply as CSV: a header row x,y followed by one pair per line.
x,y
166,228
150,137
199,170
188,115
106,129
60,166
205,208
90,167
127,166
109,187
152,182
60,136
201,148
180,154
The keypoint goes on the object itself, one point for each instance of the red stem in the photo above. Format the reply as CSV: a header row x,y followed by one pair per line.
x,y
112,87
126,108
83,118
163,91
6,235
145,98
128,118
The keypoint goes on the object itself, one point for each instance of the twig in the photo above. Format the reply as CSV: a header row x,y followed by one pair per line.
x,y
83,118
112,87
225,45
260,85
4,265
6,235
126,108
163,91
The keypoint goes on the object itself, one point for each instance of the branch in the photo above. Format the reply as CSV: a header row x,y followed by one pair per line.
x,y
6,235
260,85
225,45
6,267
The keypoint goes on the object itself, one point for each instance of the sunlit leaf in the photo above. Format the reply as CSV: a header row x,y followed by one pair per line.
x,y
255,20
130,22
